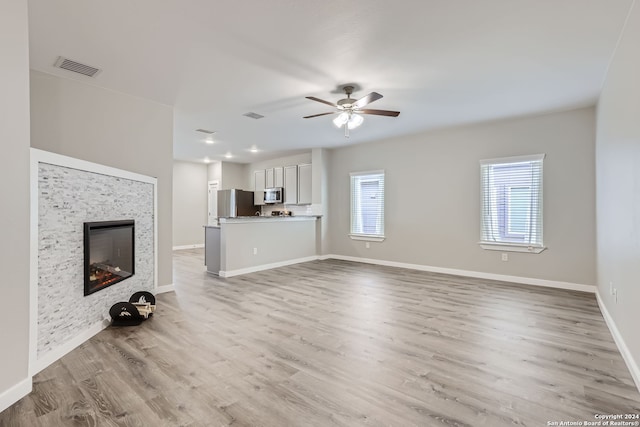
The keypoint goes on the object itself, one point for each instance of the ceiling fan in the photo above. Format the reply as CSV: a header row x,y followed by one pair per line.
x,y
350,110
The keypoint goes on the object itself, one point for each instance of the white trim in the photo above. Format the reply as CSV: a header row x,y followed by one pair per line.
x,y
367,237
40,156
83,165
15,393
634,369
33,261
376,172
263,267
155,234
195,246
475,274
507,247
165,288
513,159
57,353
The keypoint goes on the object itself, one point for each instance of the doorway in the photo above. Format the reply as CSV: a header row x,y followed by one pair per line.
x,y
213,202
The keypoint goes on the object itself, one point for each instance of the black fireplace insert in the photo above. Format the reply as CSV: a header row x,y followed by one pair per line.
x,y
108,253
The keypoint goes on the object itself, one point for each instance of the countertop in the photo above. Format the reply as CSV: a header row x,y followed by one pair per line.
x,y
264,218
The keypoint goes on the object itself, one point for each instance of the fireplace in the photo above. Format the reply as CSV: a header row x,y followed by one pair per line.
x,y
108,254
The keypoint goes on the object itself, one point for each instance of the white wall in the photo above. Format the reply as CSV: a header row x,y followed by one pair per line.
x,y
618,187
432,196
189,203
321,171
234,175
79,120
14,188
229,175
275,241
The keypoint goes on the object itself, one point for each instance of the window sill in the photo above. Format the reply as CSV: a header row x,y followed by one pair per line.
x,y
506,247
367,237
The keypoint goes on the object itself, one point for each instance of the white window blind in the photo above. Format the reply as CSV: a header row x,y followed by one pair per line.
x,y
367,204
511,201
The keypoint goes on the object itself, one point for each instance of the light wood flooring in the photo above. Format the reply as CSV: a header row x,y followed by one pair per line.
x,y
336,343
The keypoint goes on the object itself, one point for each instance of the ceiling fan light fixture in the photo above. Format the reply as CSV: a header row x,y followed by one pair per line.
x,y
354,121
341,119
351,110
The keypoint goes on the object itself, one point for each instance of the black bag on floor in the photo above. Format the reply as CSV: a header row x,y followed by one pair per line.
x,y
125,314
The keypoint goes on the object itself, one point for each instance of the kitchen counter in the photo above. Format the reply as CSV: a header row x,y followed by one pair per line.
x,y
244,219
241,245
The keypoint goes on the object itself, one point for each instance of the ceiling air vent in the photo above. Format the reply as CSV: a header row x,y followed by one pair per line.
x,y
208,132
253,115
76,67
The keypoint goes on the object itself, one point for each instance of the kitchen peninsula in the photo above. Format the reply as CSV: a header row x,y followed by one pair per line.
x,y
243,245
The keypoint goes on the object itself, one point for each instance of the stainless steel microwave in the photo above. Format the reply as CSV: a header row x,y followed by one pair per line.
x,y
273,195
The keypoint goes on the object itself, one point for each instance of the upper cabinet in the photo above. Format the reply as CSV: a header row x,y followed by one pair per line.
x,y
290,185
296,181
278,177
274,177
259,181
269,178
304,184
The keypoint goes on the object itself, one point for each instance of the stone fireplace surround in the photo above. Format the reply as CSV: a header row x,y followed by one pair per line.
x,y
65,193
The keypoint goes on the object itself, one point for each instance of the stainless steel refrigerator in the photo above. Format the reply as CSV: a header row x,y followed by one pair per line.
x,y
234,203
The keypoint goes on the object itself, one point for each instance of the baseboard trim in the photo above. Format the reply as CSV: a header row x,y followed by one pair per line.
x,y
15,393
57,353
196,246
231,273
164,288
475,274
634,369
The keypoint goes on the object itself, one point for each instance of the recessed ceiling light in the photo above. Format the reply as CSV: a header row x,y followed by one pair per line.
x,y
228,155
209,141
253,149
206,160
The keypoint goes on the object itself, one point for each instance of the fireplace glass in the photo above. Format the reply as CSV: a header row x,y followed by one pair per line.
x,y
108,253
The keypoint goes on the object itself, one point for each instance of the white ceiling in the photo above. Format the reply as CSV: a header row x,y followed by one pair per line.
x,y
439,62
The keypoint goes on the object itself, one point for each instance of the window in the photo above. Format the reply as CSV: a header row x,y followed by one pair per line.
x,y
511,203
367,206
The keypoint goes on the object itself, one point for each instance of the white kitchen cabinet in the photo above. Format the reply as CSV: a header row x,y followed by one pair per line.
x,y
274,177
259,181
304,184
278,177
290,185
269,178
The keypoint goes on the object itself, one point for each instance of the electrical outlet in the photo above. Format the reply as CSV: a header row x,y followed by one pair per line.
x,y
505,257
255,251
367,245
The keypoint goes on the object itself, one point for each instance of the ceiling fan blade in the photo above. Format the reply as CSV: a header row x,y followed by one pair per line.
x,y
380,112
313,98
367,99
318,115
